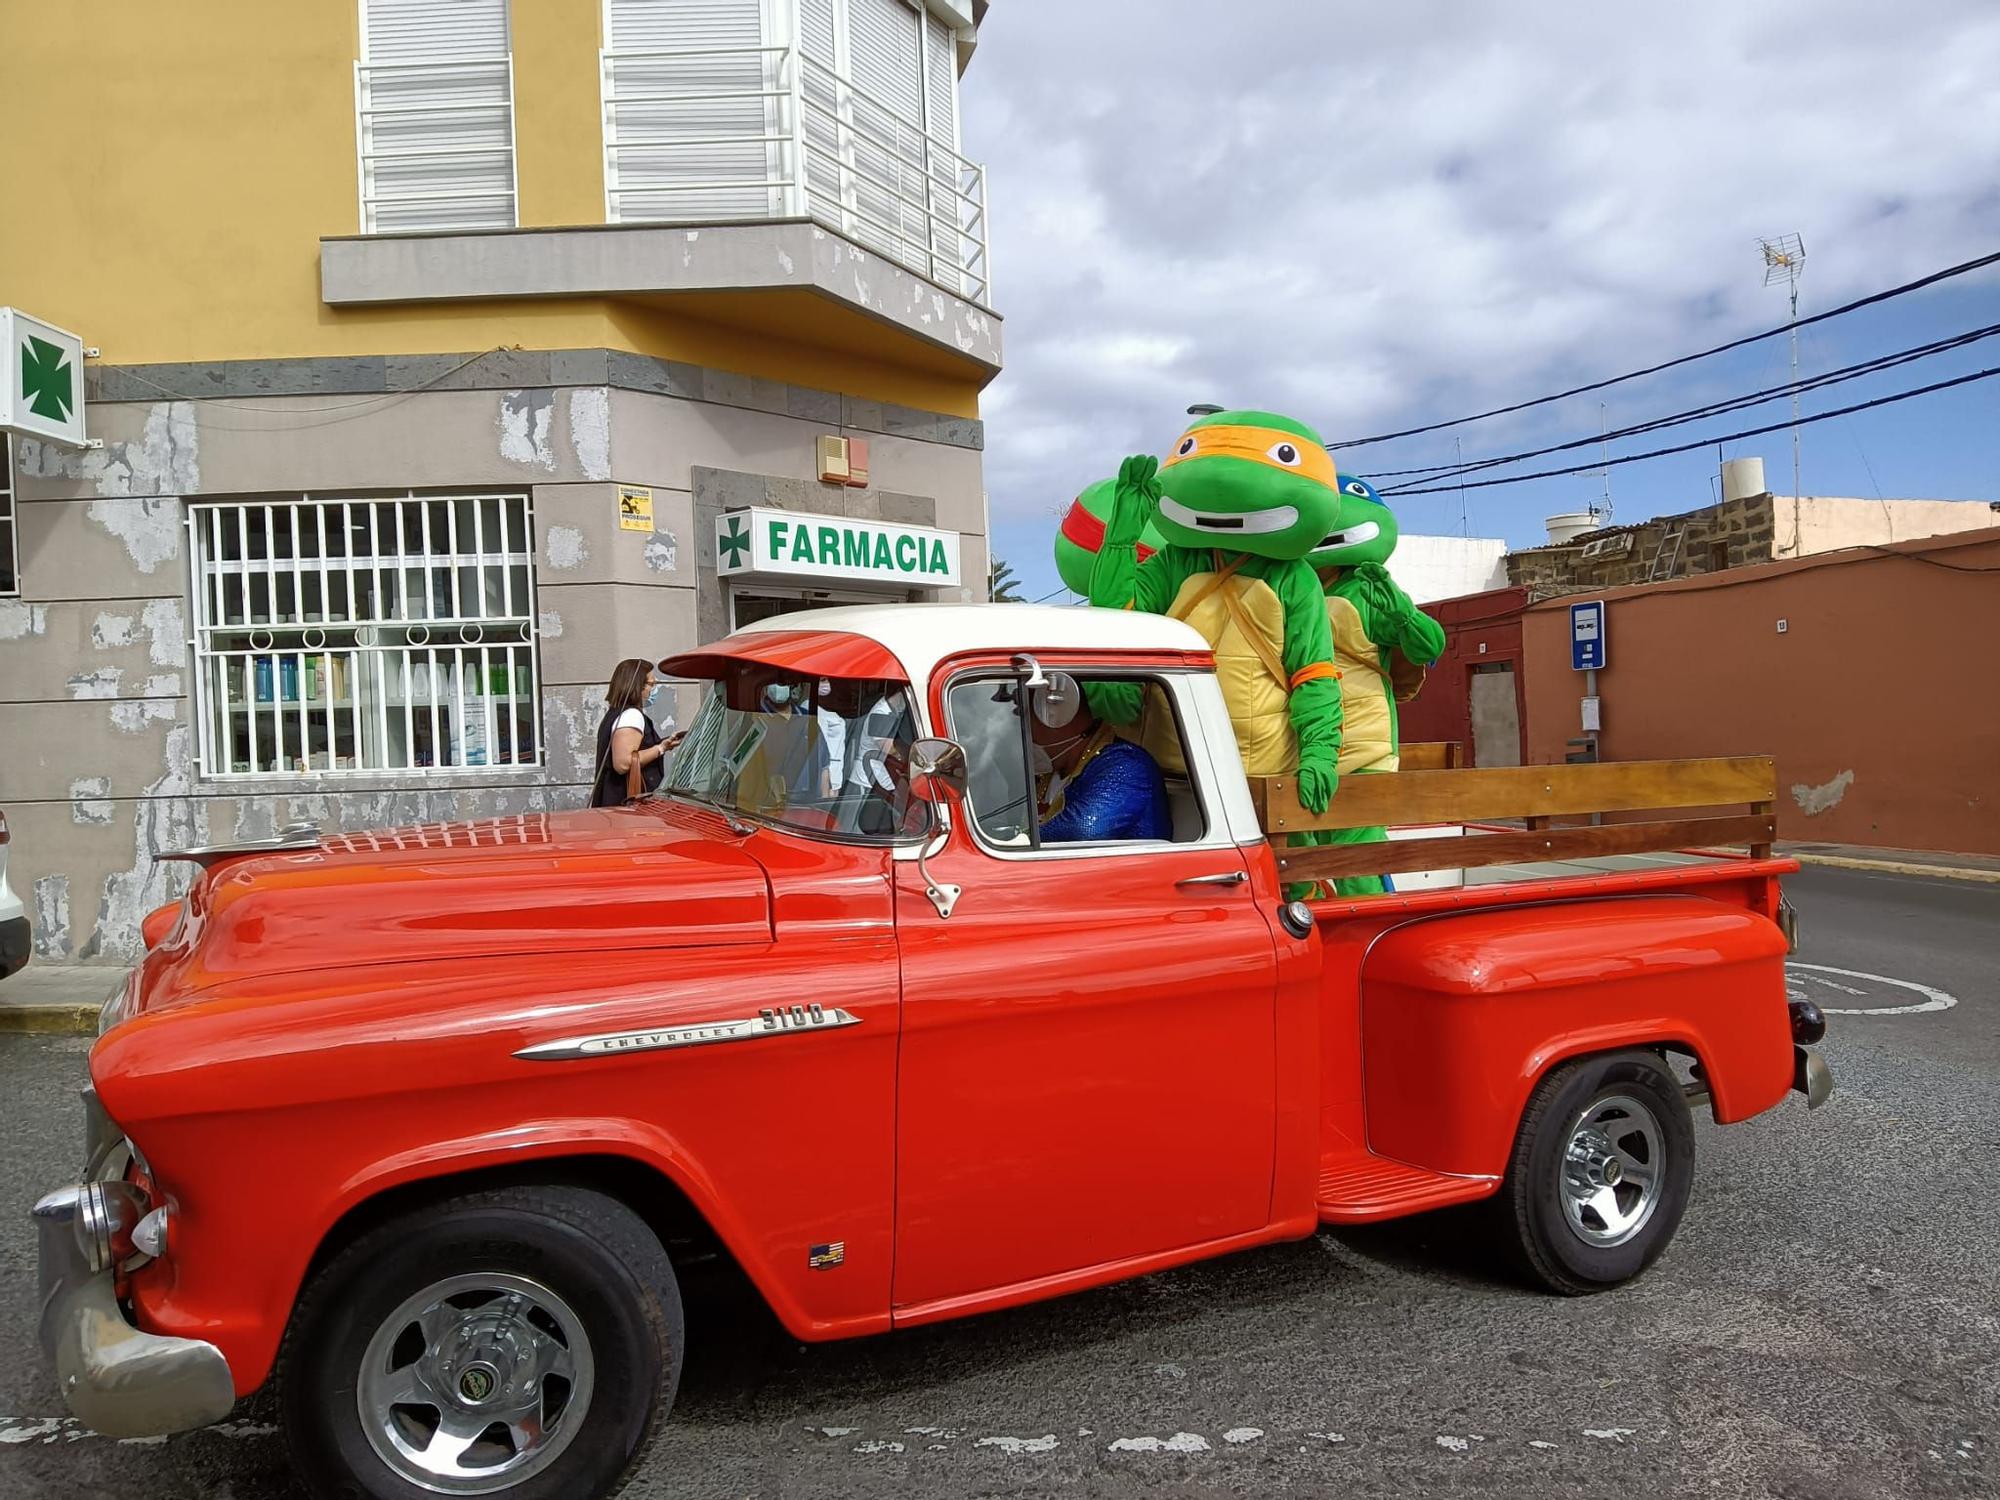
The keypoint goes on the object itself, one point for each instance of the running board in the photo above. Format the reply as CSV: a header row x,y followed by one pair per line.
x,y
1356,1187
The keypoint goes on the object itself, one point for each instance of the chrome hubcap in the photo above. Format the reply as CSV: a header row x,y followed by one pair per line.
x,y
1612,1170
475,1383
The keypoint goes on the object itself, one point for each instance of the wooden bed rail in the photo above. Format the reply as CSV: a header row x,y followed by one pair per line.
x,y
1431,755
1535,794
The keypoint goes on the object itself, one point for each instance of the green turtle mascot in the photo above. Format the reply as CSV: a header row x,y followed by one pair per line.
x,y
1238,504
1082,536
1381,644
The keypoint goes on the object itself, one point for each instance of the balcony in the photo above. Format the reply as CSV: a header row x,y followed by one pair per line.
x,y
706,135
738,181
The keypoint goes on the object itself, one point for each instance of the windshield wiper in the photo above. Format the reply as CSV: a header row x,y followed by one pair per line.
x,y
738,824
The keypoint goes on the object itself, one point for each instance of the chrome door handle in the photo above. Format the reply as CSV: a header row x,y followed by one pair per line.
x,y
1230,877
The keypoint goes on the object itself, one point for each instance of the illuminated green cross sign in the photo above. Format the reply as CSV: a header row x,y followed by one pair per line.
x,y
46,380
41,379
733,544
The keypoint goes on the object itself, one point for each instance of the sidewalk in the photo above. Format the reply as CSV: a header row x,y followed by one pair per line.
x,y
1982,867
57,997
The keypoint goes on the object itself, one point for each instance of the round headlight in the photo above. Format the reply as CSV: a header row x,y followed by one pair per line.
x,y
106,1215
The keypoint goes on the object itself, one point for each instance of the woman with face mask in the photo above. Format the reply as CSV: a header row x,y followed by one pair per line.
x,y
630,750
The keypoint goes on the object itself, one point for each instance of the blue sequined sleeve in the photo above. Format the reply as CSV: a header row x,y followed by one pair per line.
x,y
1119,795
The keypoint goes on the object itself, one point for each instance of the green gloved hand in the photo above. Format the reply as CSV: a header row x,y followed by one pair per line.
x,y
1381,595
1136,501
1317,784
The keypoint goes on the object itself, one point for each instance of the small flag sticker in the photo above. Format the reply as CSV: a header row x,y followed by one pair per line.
x,y
826,1257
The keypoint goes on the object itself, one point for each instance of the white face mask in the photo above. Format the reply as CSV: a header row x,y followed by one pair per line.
x,y
1039,762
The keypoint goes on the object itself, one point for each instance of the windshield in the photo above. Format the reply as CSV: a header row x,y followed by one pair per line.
x,y
827,756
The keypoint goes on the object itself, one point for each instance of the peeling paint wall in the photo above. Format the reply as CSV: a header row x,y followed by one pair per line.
x,y
99,740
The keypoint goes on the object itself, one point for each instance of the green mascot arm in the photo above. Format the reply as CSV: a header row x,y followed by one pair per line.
x,y
1118,580
1391,619
1315,705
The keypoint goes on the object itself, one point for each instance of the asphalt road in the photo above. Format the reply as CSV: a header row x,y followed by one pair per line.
x,y
1827,1324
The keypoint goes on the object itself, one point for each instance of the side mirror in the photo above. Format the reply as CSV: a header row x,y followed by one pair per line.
x,y
937,770
937,775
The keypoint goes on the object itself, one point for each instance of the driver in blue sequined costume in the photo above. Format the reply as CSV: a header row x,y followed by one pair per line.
x,y
1110,788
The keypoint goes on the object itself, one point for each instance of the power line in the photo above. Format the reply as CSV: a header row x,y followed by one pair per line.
x,y
1730,437
1719,407
1869,301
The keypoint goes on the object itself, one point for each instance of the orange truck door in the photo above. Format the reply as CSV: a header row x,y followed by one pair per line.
x,y
1087,1069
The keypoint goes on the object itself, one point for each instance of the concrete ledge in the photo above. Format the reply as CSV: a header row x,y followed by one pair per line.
x,y
613,260
57,997
519,369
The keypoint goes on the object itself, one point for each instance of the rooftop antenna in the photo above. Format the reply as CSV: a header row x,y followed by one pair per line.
x,y
1784,259
1458,454
1604,440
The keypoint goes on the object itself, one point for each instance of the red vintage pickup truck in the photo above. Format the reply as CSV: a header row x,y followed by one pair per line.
x,y
418,1122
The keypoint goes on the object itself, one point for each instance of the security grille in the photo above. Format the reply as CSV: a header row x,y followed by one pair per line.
x,y
10,557
365,635
434,115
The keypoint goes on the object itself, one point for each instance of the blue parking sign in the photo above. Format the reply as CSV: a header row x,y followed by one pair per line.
x,y
1586,636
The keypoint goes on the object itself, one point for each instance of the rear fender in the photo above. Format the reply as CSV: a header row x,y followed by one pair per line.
x,y
1462,1014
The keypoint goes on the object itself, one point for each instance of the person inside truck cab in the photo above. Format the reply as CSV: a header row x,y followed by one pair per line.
x,y
1094,785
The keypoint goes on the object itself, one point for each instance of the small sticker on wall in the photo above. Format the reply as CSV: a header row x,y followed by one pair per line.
x,y
635,508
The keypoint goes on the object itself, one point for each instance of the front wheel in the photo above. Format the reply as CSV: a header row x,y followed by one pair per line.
x,y
1600,1173
519,1342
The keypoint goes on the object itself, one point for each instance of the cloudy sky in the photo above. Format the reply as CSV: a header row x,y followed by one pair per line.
x,y
1375,215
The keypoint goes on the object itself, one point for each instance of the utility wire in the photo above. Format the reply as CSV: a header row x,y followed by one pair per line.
x,y
1755,338
1718,407
1748,432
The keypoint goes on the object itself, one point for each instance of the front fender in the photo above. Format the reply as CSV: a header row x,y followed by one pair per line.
x,y
1463,1014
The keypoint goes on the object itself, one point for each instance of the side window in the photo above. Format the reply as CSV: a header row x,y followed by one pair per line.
x,y
1087,758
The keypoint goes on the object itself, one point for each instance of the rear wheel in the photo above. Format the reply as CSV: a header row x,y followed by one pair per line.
x,y
1600,1173
519,1343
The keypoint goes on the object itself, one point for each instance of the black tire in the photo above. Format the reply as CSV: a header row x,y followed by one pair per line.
x,y
609,1280
1553,1234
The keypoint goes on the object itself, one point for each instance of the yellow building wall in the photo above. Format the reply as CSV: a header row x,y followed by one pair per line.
x,y
172,165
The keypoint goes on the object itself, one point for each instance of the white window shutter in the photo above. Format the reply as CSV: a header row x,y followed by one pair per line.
x,y
435,115
942,162
691,118
885,59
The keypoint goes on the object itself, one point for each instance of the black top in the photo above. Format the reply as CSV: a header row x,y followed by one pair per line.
x,y
609,788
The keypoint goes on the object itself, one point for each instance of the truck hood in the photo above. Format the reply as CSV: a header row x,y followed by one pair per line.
x,y
650,877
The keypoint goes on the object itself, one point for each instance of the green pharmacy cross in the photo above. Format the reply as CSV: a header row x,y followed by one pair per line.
x,y
735,540
47,380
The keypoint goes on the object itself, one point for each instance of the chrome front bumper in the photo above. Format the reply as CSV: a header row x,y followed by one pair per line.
x,y
117,1380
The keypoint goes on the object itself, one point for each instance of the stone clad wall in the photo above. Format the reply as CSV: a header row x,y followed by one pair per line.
x,y
99,764
1731,535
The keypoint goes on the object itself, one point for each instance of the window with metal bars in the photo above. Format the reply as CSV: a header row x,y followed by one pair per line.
x,y
365,635
10,554
434,115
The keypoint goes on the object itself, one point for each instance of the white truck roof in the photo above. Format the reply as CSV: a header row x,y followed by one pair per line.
x,y
922,635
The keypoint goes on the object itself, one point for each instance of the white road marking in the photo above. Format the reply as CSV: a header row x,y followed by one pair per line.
x,y
1538,1443
1180,1442
878,1445
1933,999
1454,1444
1609,1434
1242,1434
42,1429
1014,1447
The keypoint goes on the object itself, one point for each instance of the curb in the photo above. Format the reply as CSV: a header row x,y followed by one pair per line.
x,y
1896,867
58,1017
